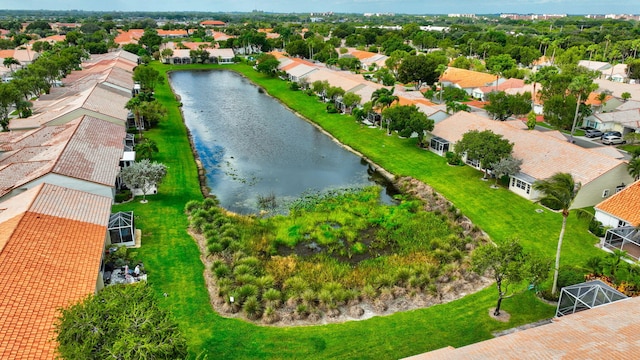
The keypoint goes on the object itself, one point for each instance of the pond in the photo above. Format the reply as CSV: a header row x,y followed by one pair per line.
x,y
251,146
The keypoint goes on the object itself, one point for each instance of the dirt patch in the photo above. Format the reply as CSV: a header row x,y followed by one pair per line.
x,y
503,317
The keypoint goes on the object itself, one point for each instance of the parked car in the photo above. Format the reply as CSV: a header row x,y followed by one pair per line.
x,y
610,133
612,140
591,133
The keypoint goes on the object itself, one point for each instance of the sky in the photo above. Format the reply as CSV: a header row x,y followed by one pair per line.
x,y
570,7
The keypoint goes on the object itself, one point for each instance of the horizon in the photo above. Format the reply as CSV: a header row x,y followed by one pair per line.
x,y
408,7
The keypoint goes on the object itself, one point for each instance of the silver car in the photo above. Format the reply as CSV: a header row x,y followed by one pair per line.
x,y
612,140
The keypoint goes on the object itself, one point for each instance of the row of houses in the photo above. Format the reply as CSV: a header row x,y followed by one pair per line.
x,y
58,172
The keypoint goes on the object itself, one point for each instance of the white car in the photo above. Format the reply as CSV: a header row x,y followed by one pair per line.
x,y
612,140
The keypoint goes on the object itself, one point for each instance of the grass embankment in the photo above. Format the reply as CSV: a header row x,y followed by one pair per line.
x,y
172,257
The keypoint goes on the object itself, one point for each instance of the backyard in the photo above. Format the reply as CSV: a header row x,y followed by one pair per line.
x,y
172,258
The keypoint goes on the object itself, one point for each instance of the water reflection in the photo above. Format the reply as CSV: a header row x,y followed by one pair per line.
x,y
250,145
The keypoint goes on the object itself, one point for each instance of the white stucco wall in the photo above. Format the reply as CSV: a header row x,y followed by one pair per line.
x,y
67,182
606,219
591,193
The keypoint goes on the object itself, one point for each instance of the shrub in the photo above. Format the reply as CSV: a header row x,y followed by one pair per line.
x,y
331,109
222,271
272,296
569,275
294,86
243,269
252,308
244,292
596,228
453,158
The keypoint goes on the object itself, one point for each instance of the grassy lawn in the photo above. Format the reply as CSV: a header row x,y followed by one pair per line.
x,y
172,258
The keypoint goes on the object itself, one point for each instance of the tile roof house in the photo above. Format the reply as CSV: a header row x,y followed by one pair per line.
x,y
622,208
509,86
51,244
543,154
83,154
605,332
467,79
101,101
625,121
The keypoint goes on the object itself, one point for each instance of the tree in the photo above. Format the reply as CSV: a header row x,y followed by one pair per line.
x,y
634,167
484,146
498,106
9,95
383,98
509,265
151,112
508,166
558,111
350,100
122,322
150,39
143,175
421,68
267,64
441,69
9,62
145,149
147,77
581,86
559,190
166,53
625,96
407,120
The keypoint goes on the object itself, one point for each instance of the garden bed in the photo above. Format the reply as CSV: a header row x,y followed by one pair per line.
x,y
337,257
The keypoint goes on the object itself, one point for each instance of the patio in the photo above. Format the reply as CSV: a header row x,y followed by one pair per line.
x,y
626,238
118,276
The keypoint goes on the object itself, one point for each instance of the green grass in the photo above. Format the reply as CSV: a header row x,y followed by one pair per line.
x,y
172,257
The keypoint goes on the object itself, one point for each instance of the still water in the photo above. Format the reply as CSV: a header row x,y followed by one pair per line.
x,y
250,145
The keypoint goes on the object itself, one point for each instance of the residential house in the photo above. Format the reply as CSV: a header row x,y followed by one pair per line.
x,y
52,241
509,86
622,208
213,23
218,56
610,103
617,89
625,121
543,153
101,101
24,56
82,154
468,80
173,34
615,73
621,213
130,36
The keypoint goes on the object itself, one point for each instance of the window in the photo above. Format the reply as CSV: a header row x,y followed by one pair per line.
x,y
622,223
473,162
619,188
521,185
605,193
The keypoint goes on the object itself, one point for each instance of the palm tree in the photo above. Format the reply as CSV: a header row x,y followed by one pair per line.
x,y
534,78
9,62
634,167
560,189
581,86
383,98
440,69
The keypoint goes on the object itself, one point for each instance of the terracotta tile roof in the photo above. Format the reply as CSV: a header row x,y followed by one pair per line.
x,y
57,259
605,332
467,78
542,155
334,78
509,84
212,23
129,37
624,205
178,32
593,99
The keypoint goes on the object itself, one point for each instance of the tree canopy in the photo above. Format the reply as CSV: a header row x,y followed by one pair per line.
x,y
119,322
484,146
